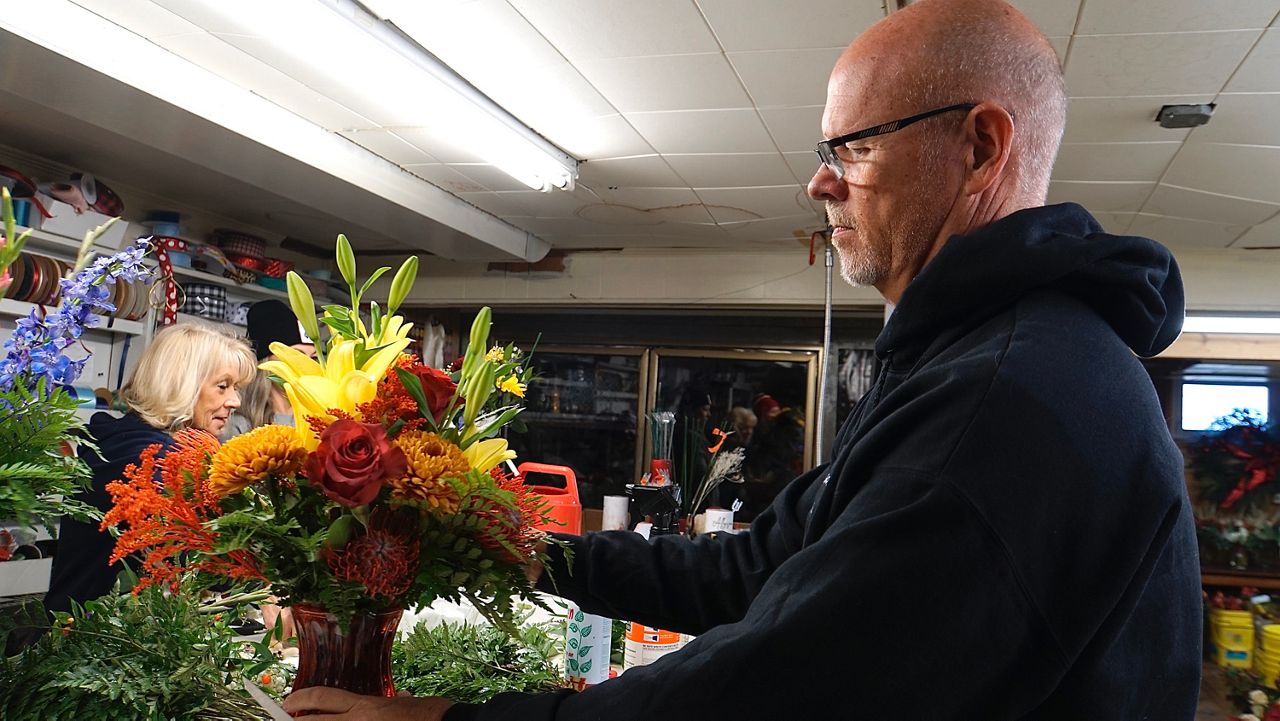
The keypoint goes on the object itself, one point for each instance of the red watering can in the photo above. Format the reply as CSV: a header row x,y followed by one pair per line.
x,y
563,504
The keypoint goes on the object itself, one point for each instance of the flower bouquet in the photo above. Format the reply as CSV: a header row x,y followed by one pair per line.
x,y
389,492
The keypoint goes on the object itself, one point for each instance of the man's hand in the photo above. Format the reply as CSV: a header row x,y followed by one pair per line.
x,y
332,704
533,571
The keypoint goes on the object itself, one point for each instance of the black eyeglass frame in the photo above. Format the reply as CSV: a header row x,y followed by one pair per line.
x,y
826,149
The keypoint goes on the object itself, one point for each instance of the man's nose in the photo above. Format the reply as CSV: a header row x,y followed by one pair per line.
x,y
825,186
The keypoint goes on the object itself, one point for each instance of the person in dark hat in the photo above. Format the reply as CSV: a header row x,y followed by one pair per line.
x,y
270,321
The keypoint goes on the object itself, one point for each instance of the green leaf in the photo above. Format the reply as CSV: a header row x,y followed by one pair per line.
x,y
376,274
573,642
587,631
585,668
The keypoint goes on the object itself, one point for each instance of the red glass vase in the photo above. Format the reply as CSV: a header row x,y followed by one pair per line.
x,y
357,659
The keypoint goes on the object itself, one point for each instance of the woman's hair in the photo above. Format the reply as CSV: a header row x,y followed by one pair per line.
x,y
180,359
256,403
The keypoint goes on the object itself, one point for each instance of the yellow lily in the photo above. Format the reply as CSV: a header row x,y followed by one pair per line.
x,y
313,390
485,455
513,386
393,329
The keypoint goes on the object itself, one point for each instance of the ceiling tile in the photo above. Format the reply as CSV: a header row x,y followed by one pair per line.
x,y
772,25
648,198
1113,161
1257,74
730,171
1239,170
729,205
647,171
593,29
448,30
614,215
703,131
1184,63
427,140
786,229
1184,233
608,136
1111,197
1169,16
144,17
1060,46
1114,223
552,99
531,203
803,165
504,205
706,82
1263,235
445,177
1053,17
1123,120
235,66
786,77
794,130
1248,119
1198,205
390,146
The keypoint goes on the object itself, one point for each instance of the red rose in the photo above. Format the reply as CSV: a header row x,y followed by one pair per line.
x,y
352,461
436,386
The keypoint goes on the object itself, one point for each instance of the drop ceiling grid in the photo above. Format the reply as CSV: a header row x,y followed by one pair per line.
x,y
1187,24
741,62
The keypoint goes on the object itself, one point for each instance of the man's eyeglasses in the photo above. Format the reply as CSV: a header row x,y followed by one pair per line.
x,y
829,150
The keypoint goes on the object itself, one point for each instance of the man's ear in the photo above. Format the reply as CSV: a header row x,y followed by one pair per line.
x,y
989,132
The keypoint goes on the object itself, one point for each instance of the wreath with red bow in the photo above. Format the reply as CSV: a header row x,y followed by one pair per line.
x,y
1238,461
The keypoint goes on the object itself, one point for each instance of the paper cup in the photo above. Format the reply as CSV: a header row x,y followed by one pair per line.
x,y
615,513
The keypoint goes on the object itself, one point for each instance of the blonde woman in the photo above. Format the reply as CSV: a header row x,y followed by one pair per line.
x,y
188,377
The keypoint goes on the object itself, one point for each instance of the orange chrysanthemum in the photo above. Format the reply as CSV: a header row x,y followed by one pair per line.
x,y
253,457
431,460
166,521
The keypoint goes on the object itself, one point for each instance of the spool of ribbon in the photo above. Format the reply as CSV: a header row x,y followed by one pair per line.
x,y
245,261
100,197
276,268
20,186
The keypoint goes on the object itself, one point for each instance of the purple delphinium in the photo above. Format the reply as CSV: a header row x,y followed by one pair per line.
x,y
35,350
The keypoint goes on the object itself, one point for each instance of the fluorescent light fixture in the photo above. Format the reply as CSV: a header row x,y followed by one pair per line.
x,y
118,52
1241,325
463,114
342,51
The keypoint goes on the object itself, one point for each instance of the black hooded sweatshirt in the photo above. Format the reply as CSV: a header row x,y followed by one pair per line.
x,y
80,569
1003,532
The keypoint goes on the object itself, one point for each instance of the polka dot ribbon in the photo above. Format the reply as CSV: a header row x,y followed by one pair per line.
x,y
163,246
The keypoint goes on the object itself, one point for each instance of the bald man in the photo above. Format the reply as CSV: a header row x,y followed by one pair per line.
x,y
1003,532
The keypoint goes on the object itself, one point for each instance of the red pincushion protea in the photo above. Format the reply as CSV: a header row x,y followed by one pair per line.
x,y
514,532
384,559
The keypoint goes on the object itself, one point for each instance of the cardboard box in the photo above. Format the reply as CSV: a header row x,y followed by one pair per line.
x,y
66,223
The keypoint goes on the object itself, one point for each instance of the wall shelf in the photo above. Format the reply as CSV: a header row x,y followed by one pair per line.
x,y
251,289
20,309
1229,578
